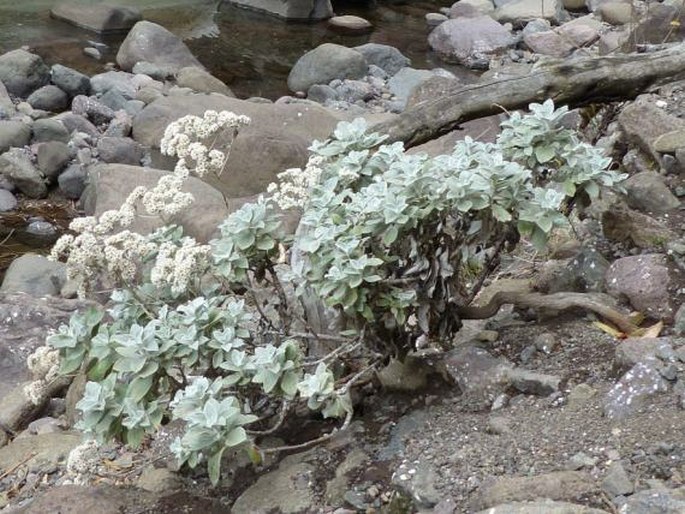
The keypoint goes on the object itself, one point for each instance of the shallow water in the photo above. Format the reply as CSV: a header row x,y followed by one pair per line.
x,y
252,52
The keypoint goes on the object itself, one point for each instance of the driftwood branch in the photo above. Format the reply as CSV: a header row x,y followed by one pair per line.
x,y
556,302
576,82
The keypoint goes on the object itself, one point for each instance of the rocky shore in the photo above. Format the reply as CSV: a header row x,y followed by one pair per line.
x,y
525,415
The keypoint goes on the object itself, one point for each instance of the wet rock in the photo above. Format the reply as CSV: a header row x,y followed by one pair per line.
x,y
633,390
13,134
72,181
617,482
48,98
644,280
8,201
16,166
530,382
541,507
386,57
469,40
98,17
153,43
559,485
92,109
70,81
647,192
325,63
288,489
52,157
23,72
416,480
350,24
520,12
35,275
622,224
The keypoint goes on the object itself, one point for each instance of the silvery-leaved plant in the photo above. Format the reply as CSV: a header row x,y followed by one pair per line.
x,y
219,336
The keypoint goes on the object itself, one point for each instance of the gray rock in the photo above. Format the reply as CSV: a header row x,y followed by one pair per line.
x,y
39,233
616,13
679,322
670,142
548,43
89,107
48,98
133,107
288,489
99,18
655,501
416,480
479,6
120,150
120,81
386,57
659,25
35,275
625,225
23,72
433,19
17,167
13,134
50,129
113,99
520,12
321,93
291,9
92,52
325,63
52,157
120,126
617,482
469,40
583,272
70,81
201,81
349,24
647,192
158,480
580,395
72,181
153,43
7,201
405,81
541,507
410,375
635,388
355,91
644,280
162,72
642,349
535,26
531,382
7,109
77,123
431,88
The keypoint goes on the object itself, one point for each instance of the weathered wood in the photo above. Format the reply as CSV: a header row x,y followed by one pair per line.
x,y
576,82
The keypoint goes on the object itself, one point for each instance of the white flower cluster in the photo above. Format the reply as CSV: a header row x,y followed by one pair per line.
x,y
44,366
96,249
176,265
295,184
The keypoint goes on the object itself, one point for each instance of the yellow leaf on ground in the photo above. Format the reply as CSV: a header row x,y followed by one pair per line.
x,y
609,330
649,332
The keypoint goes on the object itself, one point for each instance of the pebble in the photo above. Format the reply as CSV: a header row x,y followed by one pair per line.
x,y
92,52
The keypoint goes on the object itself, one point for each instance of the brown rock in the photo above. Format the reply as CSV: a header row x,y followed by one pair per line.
x,y
622,224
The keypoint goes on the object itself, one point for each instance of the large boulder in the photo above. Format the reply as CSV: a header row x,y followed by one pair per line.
x,y
153,43
325,63
98,17
23,72
467,40
291,9
276,139
385,57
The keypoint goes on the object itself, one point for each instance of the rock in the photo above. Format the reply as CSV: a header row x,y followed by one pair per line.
x,y
655,501
649,350
77,123
530,382
277,138
659,25
349,24
288,489
72,181
354,91
6,105
13,134
498,426
23,72
120,126
535,26
336,487
161,72
201,81
120,150
616,482
291,9
644,280
520,12
410,375
100,499
610,42
153,43
48,98
409,81
120,81
49,129
39,233
670,141
158,480
321,93
574,5
642,122
548,43
7,201
70,81
89,107
625,225
416,480
478,6
541,507
635,388
35,275
92,52
616,13
467,40
408,425
480,376
647,192
112,183
679,322
17,167
581,31
325,63
114,100
558,485
98,17
48,448
433,19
